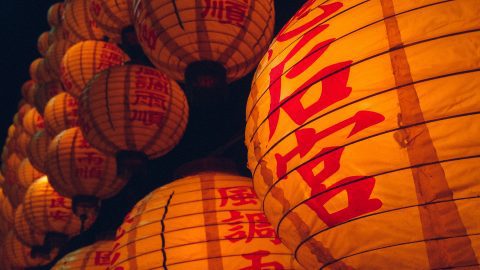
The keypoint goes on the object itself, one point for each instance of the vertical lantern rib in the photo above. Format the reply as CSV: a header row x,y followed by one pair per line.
x,y
162,234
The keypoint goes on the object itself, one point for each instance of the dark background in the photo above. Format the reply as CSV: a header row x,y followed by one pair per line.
x,y
212,130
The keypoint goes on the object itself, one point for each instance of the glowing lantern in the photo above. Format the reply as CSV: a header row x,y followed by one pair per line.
x,y
92,257
43,43
58,33
6,209
33,122
78,21
27,174
61,113
10,164
25,232
44,92
39,72
15,193
86,59
37,150
55,14
206,221
195,36
149,109
55,54
112,16
81,172
362,129
28,91
19,255
50,213
21,143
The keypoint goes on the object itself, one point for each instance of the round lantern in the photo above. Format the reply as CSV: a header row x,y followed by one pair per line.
x,y
79,171
37,150
26,233
78,21
44,92
61,113
42,43
33,122
195,37
112,16
27,174
86,59
206,221
21,143
55,14
142,111
15,193
39,72
58,33
92,257
6,209
28,91
50,213
19,255
54,55
362,135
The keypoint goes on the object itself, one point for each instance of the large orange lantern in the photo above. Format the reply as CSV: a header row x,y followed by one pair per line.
x,y
37,150
19,255
112,16
44,92
33,122
79,171
211,220
194,36
27,174
61,113
362,129
55,14
149,108
85,59
92,257
50,213
26,233
78,22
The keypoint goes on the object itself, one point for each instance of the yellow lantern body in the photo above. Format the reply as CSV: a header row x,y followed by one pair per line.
x,y
55,14
43,43
37,150
48,211
18,254
362,129
143,110
25,232
92,257
61,113
86,59
112,16
75,168
207,221
33,122
233,33
27,174
78,21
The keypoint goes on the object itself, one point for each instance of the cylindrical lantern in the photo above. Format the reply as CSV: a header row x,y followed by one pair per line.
x,y
37,150
25,232
142,111
54,55
51,213
28,91
92,257
79,23
86,59
362,130
112,16
79,171
234,34
55,14
44,92
61,113
27,174
33,122
206,221
43,43
39,72
20,255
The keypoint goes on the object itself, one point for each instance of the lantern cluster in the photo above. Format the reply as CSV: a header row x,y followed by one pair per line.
x,y
362,134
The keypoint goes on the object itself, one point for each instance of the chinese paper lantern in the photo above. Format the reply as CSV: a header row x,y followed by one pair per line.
x,y
33,122
193,36
25,232
362,129
112,16
15,193
58,33
54,56
10,165
37,150
78,21
21,143
55,14
92,257
50,213
28,91
27,174
142,111
44,92
86,59
42,43
206,221
6,209
39,72
19,255
79,171
61,113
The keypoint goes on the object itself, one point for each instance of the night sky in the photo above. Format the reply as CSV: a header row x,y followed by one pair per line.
x,y
212,130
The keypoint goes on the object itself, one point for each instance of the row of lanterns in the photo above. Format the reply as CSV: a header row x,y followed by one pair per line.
x,y
95,108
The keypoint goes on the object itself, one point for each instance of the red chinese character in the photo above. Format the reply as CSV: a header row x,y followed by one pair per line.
x,y
226,11
257,264
258,226
359,201
102,257
59,202
241,195
60,215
